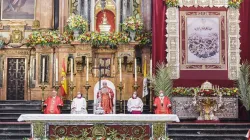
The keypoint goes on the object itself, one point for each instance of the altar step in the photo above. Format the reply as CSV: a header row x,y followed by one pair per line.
x,y
14,131
10,110
211,131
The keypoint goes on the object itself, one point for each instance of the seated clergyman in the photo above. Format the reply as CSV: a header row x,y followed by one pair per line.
x,y
53,103
162,104
78,105
135,104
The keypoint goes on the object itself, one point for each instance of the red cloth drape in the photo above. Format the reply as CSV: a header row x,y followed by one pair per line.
x,y
159,32
245,30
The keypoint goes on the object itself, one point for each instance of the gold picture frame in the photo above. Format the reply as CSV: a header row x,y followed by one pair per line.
x,y
18,10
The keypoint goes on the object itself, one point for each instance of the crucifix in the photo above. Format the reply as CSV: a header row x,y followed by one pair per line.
x,y
104,67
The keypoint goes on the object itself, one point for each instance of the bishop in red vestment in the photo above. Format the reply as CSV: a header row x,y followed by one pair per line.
x,y
107,95
52,104
162,104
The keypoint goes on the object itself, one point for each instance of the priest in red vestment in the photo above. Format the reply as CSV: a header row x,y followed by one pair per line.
x,y
106,94
52,104
162,104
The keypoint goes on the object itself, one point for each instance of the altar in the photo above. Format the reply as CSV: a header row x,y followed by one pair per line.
x,y
116,126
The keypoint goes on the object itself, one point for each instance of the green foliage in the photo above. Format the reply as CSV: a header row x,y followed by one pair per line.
x,y
243,85
162,80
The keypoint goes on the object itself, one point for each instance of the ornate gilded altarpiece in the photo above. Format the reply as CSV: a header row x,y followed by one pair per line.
x,y
225,50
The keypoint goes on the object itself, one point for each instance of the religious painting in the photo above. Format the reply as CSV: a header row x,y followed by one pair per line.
x,y
18,9
203,40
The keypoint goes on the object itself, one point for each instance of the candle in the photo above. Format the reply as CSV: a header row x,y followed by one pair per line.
x,y
120,68
56,70
71,70
135,70
151,69
87,71
43,74
33,74
95,67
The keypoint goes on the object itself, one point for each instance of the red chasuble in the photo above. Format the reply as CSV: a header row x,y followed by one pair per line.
x,y
52,105
161,105
107,96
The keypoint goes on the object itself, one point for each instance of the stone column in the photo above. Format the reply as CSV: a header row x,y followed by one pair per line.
x,y
118,11
63,14
92,14
146,13
86,8
44,13
124,9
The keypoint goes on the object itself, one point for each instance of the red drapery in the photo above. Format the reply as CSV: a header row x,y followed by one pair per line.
x,y
159,32
245,30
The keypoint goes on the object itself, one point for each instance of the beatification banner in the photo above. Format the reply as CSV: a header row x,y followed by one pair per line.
x,y
203,40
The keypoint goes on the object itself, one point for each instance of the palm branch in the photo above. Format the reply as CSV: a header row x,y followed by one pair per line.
x,y
162,80
244,85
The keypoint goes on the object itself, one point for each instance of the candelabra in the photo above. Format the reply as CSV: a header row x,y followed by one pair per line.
x,y
56,86
136,86
120,88
87,86
151,87
71,88
43,88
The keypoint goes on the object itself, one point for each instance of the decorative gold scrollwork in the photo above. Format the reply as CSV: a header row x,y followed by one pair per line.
x,y
159,130
99,130
16,36
38,129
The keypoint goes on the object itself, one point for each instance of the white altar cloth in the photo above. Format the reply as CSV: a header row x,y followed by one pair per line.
x,y
100,118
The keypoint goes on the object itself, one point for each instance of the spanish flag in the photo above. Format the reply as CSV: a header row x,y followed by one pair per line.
x,y
64,86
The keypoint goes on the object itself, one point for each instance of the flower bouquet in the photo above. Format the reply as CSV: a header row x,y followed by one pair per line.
x,y
66,38
77,24
47,38
99,39
171,3
132,25
85,37
123,38
234,3
3,41
144,38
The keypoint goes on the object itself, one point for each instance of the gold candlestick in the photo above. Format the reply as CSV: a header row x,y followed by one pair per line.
x,y
151,87
120,88
71,87
136,86
87,86
43,88
56,86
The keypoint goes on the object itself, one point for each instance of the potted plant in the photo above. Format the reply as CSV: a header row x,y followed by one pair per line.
x,y
244,86
77,24
132,25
